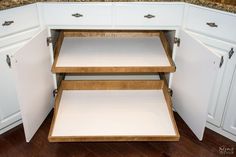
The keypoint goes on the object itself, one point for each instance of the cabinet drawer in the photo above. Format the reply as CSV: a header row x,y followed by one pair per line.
x,y
112,51
212,23
148,15
72,14
18,19
113,111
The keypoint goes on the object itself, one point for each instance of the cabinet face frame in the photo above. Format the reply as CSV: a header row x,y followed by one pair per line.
x,y
113,85
113,33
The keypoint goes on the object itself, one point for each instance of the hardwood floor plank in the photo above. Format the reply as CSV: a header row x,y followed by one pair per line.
x,y
12,144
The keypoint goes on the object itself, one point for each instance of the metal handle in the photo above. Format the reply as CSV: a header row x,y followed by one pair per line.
x,y
231,52
77,15
7,23
221,61
149,16
212,24
8,60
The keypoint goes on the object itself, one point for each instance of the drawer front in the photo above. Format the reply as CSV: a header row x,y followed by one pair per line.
x,y
18,19
148,15
212,23
77,14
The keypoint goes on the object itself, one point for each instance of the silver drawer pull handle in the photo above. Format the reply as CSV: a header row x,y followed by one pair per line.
x,y
7,23
77,15
8,60
212,24
231,52
149,16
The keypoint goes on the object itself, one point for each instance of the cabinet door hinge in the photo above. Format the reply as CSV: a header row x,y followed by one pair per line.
x,y
221,61
55,91
177,41
49,40
231,52
8,60
170,91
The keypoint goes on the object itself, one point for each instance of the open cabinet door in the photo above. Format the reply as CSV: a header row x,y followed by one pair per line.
x,y
34,82
192,83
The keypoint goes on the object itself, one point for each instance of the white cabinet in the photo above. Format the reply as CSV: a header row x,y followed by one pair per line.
x,y
215,29
34,82
18,19
193,80
148,15
85,15
211,22
18,25
200,86
230,116
9,106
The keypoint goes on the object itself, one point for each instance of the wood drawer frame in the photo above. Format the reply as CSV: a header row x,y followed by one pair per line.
x,y
115,85
111,33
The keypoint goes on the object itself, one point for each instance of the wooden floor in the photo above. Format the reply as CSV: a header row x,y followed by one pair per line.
x,y
12,144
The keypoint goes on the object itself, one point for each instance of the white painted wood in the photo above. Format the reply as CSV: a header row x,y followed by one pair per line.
x,y
229,123
18,37
221,131
192,83
132,14
14,124
112,77
111,52
221,87
24,17
93,14
197,17
34,82
217,98
9,106
112,113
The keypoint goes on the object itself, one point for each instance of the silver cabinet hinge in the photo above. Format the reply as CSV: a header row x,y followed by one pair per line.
x,y
170,91
8,60
221,61
49,40
177,41
55,91
231,52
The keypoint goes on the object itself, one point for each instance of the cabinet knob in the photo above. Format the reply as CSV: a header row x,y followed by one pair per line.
x,y
7,23
149,16
77,15
212,24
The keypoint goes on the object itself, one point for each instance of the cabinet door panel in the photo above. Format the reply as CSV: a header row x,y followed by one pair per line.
x,y
192,82
9,107
230,116
34,82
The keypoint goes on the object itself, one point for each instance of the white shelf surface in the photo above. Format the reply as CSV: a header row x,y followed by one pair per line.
x,y
112,52
113,113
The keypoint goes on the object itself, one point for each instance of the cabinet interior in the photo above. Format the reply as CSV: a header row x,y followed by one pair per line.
x,y
94,93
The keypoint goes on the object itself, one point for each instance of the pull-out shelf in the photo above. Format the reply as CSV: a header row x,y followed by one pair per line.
x,y
112,52
113,111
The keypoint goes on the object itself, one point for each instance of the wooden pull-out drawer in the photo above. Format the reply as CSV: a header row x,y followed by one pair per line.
x,y
112,52
113,111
